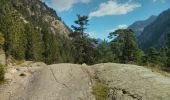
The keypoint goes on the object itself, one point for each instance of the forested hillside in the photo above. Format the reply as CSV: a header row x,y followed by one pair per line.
x,y
139,26
33,31
155,34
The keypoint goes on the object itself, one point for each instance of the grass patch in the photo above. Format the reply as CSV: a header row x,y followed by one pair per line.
x,y
100,91
4,82
18,62
2,72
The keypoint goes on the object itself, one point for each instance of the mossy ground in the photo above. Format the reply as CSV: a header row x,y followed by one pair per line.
x,y
100,91
2,72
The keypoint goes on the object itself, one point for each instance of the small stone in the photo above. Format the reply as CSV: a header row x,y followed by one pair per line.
x,y
22,74
17,69
84,64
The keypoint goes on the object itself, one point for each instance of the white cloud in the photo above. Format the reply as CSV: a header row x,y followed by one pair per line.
x,y
122,26
92,34
65,5
111,7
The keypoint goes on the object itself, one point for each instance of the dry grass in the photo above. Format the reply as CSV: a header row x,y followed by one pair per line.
x,y
2,72
158,69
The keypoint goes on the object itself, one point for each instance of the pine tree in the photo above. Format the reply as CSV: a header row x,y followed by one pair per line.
x,y
17,38
105,53
168,49
82,43
12,29
5,19
163,56
66,49
153,56
2,40
51,48
81,23
125,46
139,57
34,44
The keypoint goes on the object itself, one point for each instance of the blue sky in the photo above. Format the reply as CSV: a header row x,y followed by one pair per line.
x,y
107,15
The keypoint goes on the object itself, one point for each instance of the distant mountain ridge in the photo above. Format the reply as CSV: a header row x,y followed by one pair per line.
x,y
154,35
139,26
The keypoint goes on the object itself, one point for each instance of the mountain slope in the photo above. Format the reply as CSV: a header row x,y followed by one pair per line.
x,y
139,26
33,31
39,13
154,35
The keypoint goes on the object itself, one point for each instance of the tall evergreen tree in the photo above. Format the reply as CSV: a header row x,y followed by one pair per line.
x,y
81,26
34,47
2,40
163,56
168,51
51,48
105,53
82,43
66,49
5,20
17,37
12,28
126,46
153,56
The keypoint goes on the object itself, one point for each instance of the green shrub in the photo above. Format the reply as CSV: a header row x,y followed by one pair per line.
x,y
19,62
100,91
2,72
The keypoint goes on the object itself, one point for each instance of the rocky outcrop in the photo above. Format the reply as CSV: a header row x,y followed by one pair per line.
x,y
75,82
17,78
53,82
131,82
37,12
